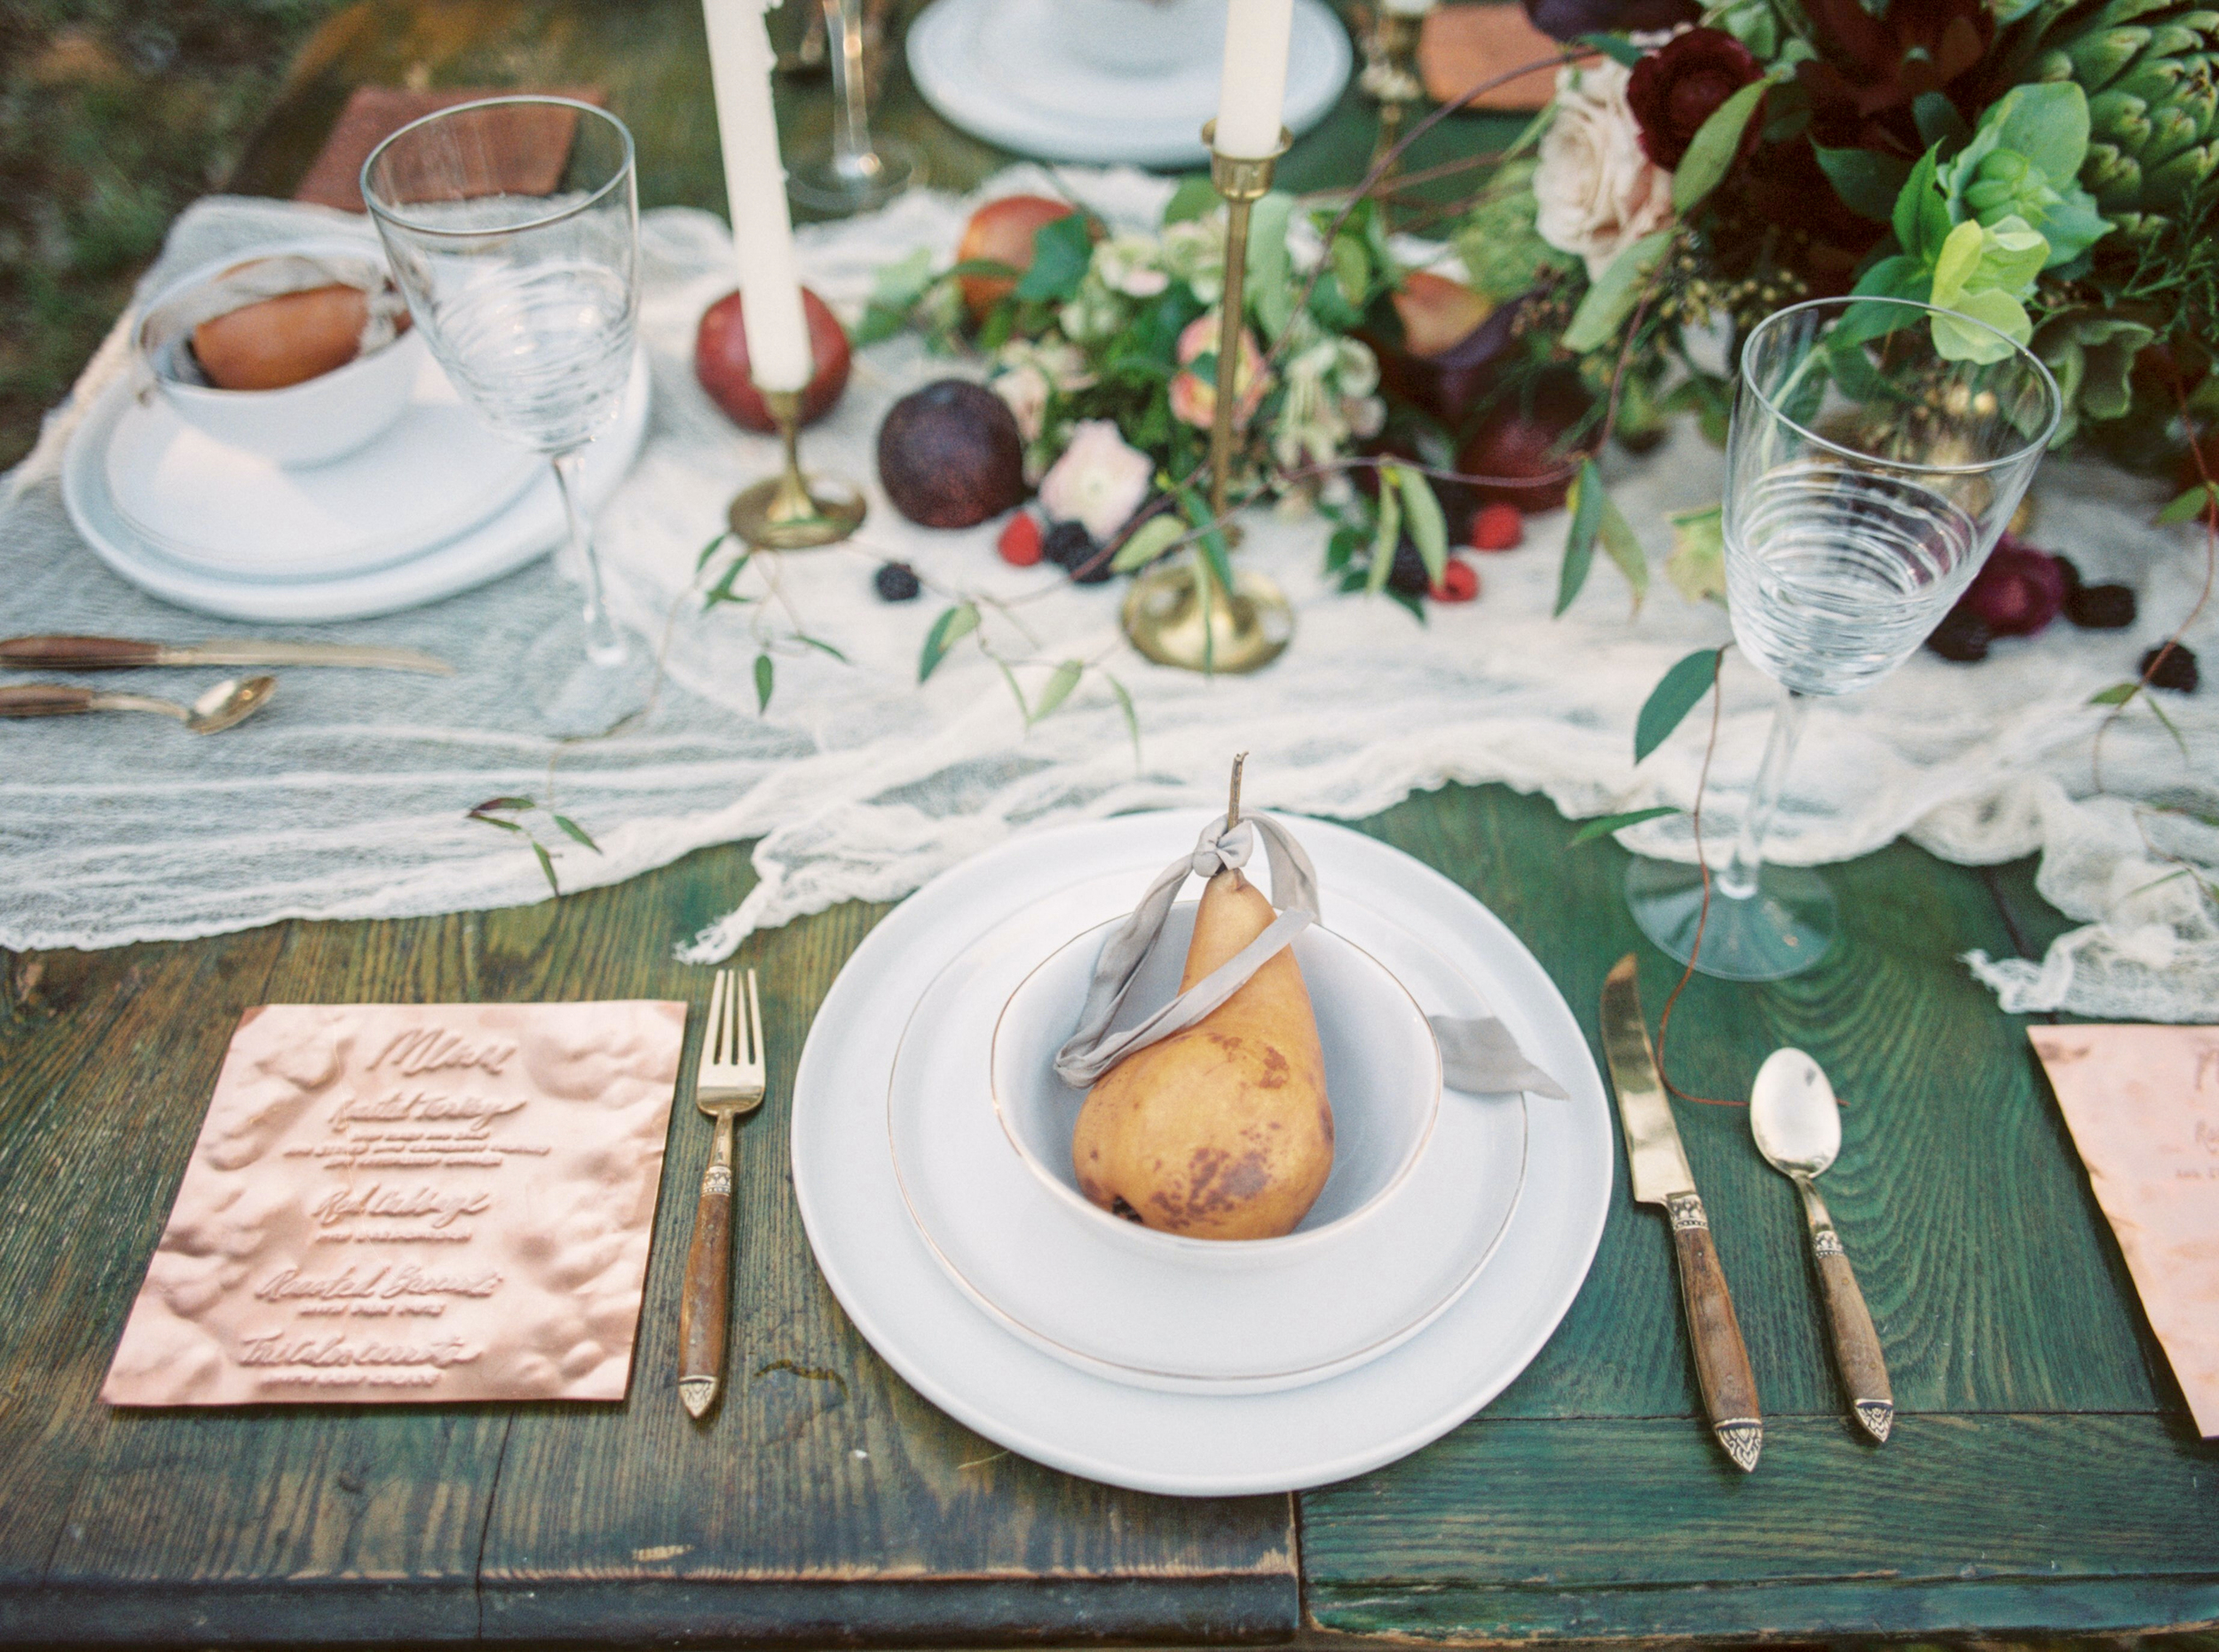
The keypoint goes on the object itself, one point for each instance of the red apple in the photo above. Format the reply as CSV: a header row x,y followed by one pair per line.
x,y
1002,230
720,362
1524,438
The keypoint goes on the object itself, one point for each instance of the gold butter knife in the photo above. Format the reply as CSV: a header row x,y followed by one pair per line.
x,y
118,653
1660,1177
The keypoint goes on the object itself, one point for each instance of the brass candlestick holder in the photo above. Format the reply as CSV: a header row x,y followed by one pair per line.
x,y
1182,615
791,511
1390,76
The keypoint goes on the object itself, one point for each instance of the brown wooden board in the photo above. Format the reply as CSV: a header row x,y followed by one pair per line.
x,y
823,1500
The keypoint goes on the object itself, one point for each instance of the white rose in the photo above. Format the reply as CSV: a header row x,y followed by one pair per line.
x,y
1598,193
1099,482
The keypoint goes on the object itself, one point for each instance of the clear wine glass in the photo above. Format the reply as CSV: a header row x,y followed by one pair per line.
x,y
512,227
1878,449
859,173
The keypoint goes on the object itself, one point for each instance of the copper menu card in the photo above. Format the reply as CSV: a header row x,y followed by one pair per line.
x,y
2143,1102
428,1202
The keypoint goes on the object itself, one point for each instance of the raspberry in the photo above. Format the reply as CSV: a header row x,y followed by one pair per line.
x,y
1020,542
2101,607
896,581
1497,527
1459,582
2176,671
1963,636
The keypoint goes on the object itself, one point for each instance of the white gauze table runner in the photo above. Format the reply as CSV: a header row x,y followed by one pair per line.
x,y
347,798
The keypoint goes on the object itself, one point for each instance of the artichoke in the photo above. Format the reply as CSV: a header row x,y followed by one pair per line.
x,y
2151,71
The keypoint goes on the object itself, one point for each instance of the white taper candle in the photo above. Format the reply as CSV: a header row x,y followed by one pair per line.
x,y
1253,87
740,62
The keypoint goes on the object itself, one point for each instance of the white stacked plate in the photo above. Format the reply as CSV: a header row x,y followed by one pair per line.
x,y
433,506
1435,1265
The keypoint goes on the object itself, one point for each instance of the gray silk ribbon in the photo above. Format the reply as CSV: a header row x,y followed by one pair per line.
x,y
1478,1054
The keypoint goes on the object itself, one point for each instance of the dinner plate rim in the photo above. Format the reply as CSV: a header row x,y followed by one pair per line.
x,y
1571,1233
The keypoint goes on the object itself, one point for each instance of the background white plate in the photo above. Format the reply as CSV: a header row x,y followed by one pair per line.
x,y
1007,73
529,527
1183,1444
1235,1321
434,471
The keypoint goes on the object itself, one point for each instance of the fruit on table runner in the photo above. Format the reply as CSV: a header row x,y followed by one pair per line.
x,y
1222,1131
949,455
1001,232
720,362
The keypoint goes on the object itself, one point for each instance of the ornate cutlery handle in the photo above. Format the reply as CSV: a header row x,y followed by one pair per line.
x,y
705,1305
43,700
76,653
1722,1367
1864,1369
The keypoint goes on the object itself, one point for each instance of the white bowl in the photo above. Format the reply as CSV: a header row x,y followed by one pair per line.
x,y
317,420
1382,1078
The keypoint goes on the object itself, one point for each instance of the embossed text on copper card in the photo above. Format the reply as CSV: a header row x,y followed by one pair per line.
x,y
432,1202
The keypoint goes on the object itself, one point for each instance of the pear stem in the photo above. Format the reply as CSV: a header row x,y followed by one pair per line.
x,y
1232,801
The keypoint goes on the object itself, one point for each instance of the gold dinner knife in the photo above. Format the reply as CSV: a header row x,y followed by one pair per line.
x,y
1660,1177
122,653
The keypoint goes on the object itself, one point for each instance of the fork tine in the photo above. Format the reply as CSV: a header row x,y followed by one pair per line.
x,y
728,1027
754,1026
716,1010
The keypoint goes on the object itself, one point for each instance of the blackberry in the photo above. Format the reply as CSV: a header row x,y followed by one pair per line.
x,y
896,581
2071,573
1066,544
2100,607
1408,573
2177,672
1962,636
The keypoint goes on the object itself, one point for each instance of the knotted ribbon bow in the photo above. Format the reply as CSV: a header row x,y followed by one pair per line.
x,y
1478,1054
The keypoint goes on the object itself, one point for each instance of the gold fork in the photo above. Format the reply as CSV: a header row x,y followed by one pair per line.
x,y
728,1083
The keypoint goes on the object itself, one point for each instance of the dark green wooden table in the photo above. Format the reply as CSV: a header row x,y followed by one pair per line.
x,y
2043,1478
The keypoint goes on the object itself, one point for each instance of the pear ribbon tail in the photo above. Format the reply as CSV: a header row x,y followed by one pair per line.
x,y
1478,1056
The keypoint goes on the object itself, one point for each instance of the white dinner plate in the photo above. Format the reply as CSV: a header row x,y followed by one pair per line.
x,y
1207,1318
980,1372
529,526
1007,71
434,471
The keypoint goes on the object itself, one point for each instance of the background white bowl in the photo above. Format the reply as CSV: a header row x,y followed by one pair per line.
x,y
318,419
1382,1078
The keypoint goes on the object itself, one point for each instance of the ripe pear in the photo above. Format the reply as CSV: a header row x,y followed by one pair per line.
x,y
1222,1131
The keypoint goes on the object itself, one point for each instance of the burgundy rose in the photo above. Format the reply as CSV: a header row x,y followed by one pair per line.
x,y
1677,87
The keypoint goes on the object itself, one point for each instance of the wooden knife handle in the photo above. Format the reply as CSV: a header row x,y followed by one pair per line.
x,y
76,653
43,700
705,1307
1722,1367
1856,1354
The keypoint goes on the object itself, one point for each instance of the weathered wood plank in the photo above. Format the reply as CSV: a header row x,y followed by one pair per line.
x,y
1523,1530
1989,1269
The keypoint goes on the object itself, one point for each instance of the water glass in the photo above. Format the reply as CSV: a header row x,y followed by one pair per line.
x,y
512,227
1877,450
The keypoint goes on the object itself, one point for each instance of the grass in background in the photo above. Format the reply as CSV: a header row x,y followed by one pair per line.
x,y
114,113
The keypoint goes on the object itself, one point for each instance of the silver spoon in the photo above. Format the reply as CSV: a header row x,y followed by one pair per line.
x,y
1798,1129
231,701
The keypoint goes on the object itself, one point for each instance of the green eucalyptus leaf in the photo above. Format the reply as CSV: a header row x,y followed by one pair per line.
x,y
1697,566
1586,500
1388,533
952,625
1058,689
1624,549
1146,543
576,833
2116,694
1270,276
1867,181
547,865
765,674
1197,197
1604,826
1711,151
1610,301
1677,693
1131,717
2197,501
1428,528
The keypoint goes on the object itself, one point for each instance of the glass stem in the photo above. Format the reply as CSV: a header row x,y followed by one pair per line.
x,y
851,140
1737,878
605,643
